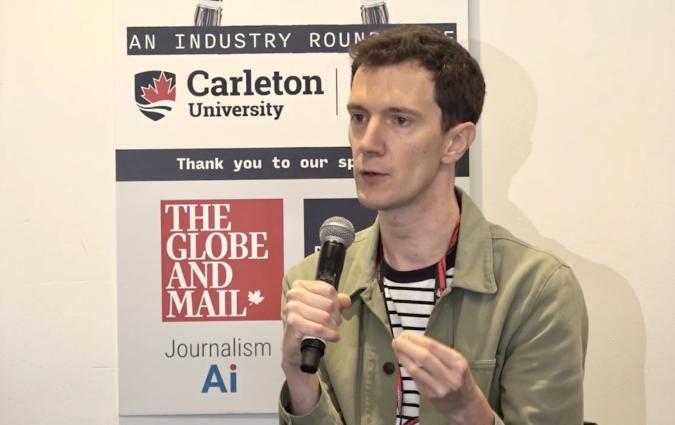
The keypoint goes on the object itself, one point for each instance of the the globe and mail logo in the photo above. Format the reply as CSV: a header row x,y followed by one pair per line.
x,y
155,93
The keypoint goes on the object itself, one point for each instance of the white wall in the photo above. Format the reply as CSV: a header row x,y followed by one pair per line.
x,y
578,138
578,144
57,257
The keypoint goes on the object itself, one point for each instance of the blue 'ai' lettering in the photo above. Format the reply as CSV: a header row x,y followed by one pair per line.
x,y
215,379
233,378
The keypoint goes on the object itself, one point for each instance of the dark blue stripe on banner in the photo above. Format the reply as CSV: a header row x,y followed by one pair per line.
x,y
239,164
233,164
254,39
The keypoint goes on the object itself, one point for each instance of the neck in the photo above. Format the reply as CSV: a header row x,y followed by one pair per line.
x,y
414,239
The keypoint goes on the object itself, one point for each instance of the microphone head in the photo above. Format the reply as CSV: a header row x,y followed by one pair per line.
x,y
337,229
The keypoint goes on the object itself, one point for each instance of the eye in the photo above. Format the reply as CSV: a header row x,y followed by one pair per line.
x,y
358,117
402,121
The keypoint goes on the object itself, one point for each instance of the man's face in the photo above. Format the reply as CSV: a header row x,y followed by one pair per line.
x,y
395,135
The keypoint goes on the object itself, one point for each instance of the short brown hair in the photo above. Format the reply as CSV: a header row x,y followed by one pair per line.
x,y
458,81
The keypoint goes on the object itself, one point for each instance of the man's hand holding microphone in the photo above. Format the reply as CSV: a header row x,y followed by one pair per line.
x,y
312,314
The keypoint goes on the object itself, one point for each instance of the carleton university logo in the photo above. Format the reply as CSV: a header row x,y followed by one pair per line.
x,y
155,93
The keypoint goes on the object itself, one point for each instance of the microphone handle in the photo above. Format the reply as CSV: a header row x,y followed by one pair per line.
x,y
329,268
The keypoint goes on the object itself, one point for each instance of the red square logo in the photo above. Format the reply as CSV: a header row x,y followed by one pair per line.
x,y
221,259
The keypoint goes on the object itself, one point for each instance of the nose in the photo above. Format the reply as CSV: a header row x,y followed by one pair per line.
x,y
370,140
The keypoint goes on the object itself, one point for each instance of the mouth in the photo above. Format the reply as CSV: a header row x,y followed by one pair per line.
x,y
371,176
370,173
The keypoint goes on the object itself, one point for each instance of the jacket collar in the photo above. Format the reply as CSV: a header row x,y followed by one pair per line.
x,y
474,264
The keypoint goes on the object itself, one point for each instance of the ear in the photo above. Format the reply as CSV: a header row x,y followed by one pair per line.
x,y
457,141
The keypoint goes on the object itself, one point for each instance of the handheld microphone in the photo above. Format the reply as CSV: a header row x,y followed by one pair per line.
x,y
336,234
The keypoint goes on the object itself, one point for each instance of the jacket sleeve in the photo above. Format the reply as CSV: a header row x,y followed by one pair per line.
x,y
325,411
542,378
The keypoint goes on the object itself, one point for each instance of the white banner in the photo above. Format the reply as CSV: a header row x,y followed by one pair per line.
x,y
230,128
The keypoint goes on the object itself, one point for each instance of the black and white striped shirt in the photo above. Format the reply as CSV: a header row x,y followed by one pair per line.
x,y
410,297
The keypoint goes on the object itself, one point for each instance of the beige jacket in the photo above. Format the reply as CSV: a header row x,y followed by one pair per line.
x,y
515,312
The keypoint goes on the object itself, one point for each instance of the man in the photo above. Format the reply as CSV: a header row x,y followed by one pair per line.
x,y
440,317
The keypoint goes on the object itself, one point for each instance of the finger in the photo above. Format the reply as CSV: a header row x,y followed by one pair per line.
x,y
326,290
345,301
313,314
318,287
449,357
306,291
428,383
412,368
301,327
305,296
416,352
425,368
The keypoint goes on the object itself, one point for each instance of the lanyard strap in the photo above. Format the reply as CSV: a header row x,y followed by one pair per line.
x,y
441,284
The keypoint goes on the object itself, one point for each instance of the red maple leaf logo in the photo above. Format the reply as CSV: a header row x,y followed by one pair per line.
x,y
162,89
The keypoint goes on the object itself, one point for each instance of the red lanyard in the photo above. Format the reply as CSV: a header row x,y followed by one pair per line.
x,y
441,285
